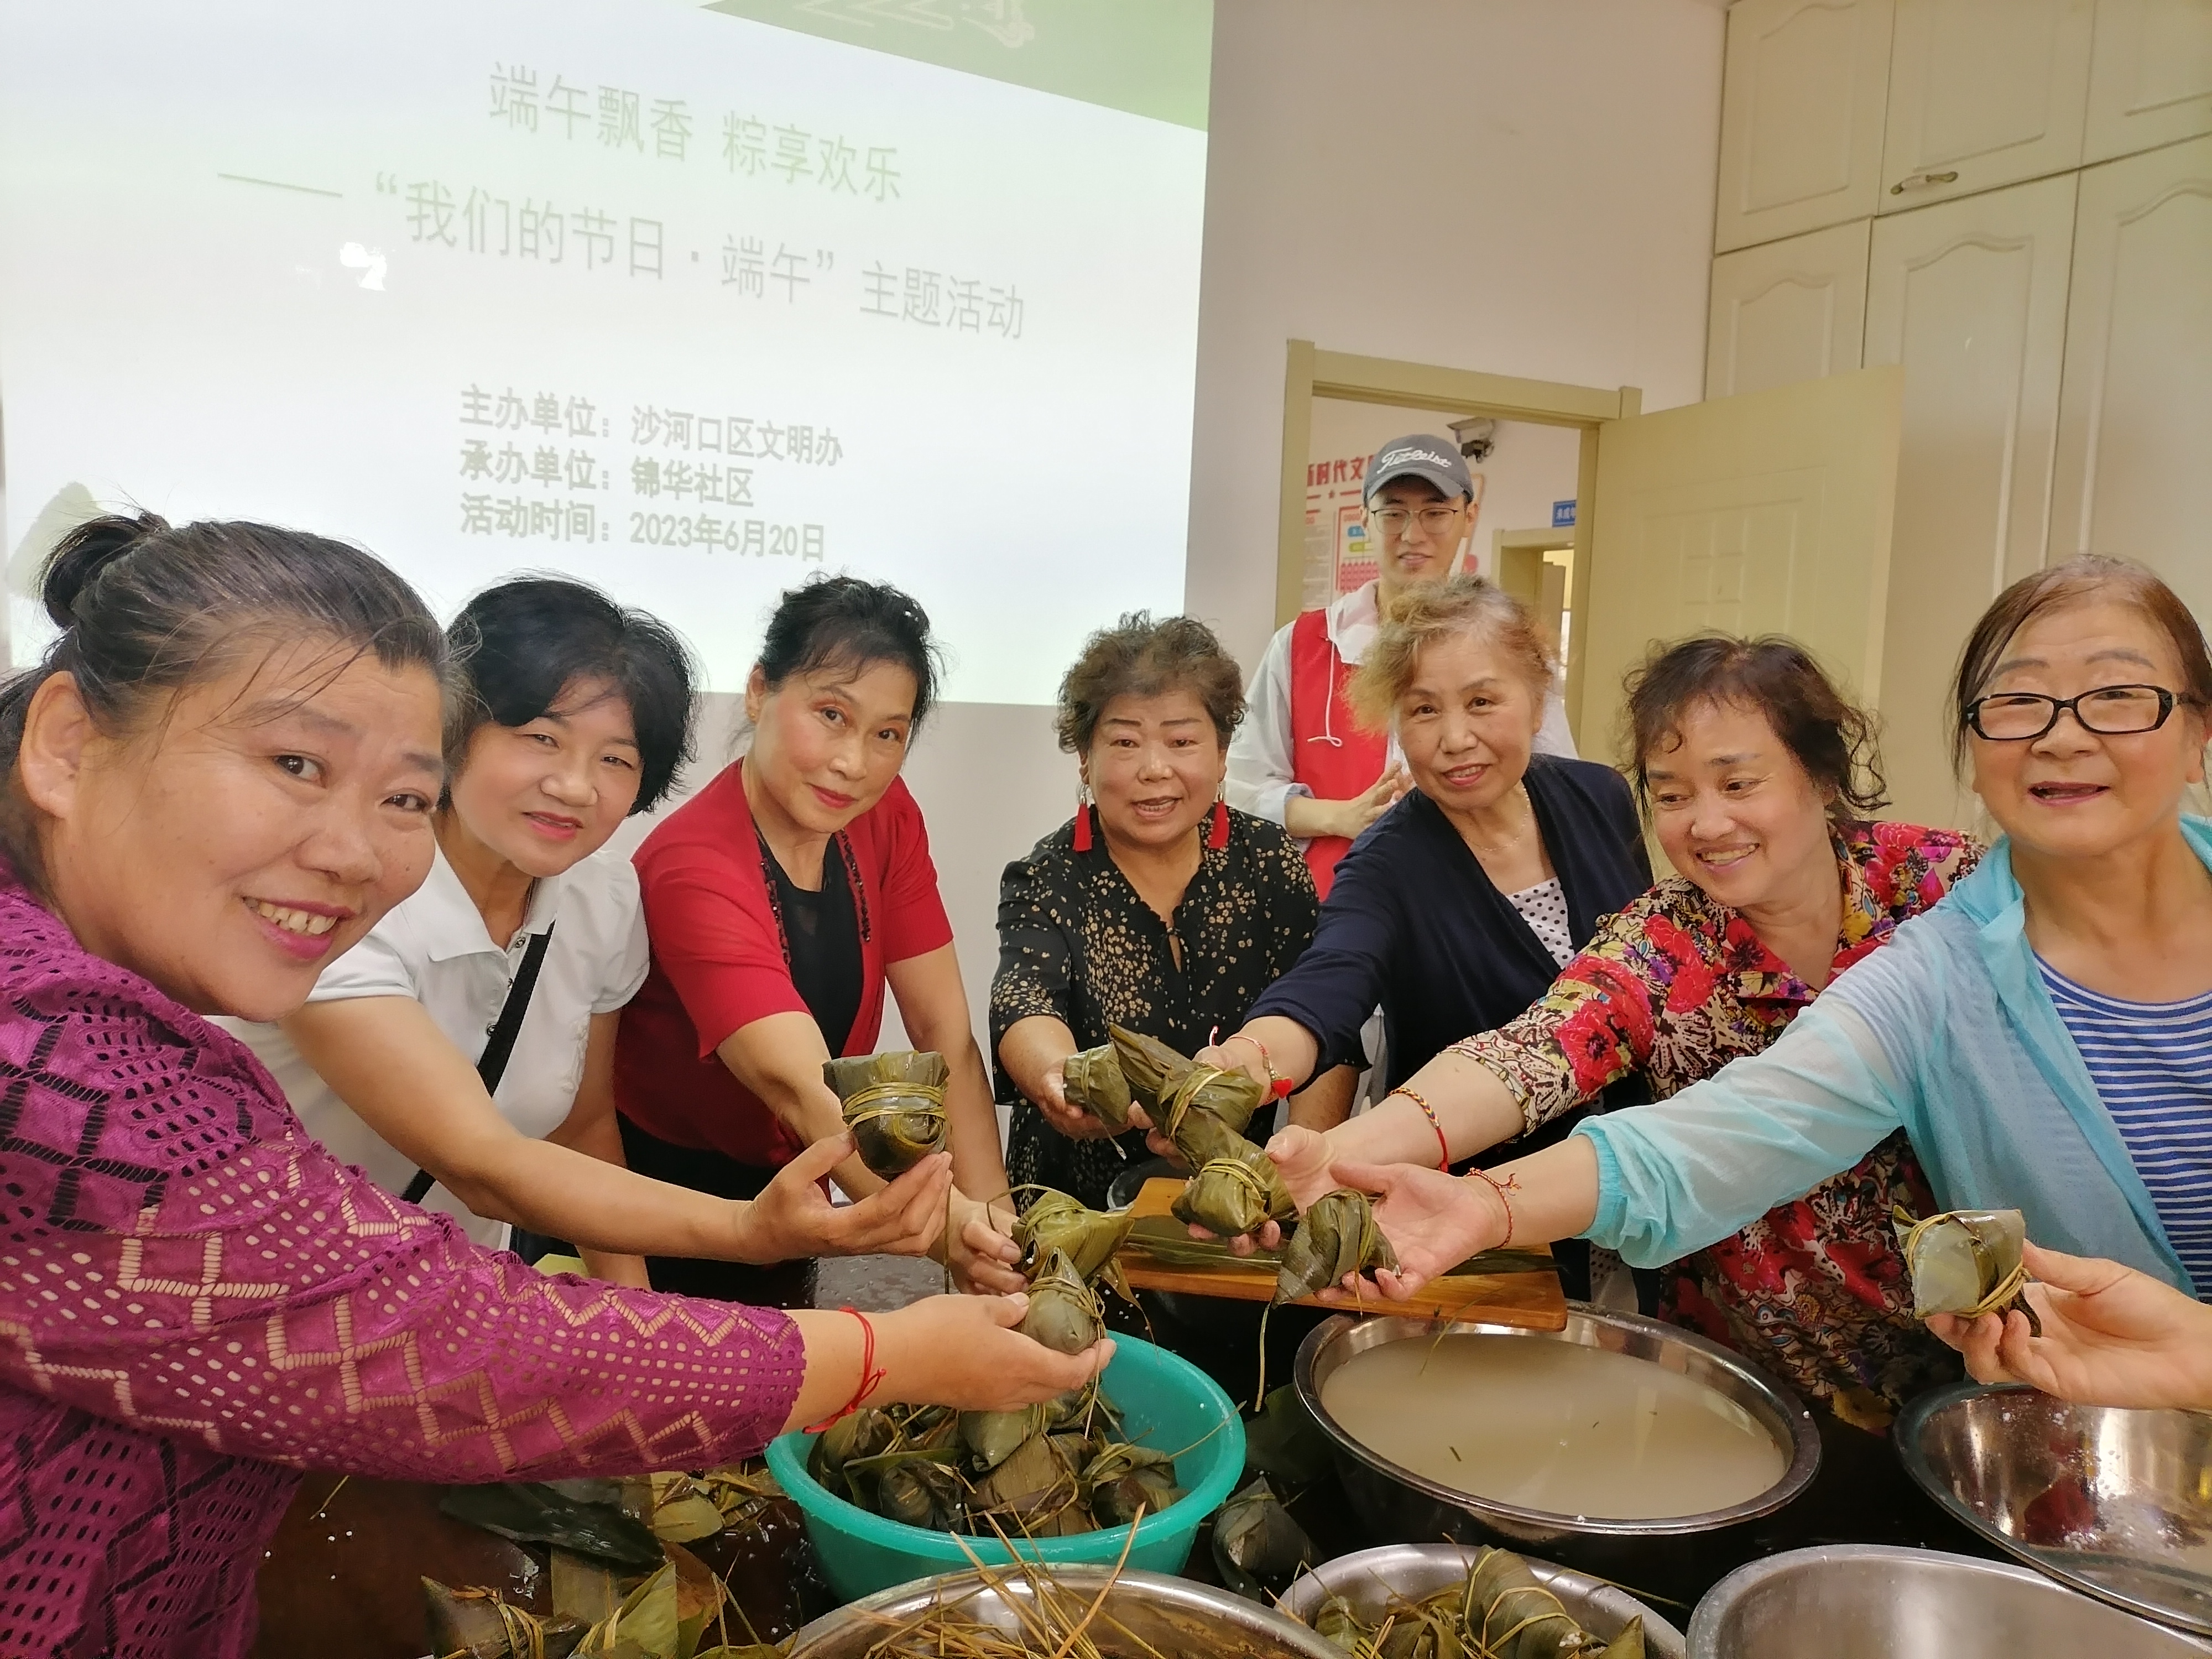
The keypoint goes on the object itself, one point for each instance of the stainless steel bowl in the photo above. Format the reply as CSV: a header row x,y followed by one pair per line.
x,y
1373,1580
1879,1602
2116,1503
1396,1505
1143,1615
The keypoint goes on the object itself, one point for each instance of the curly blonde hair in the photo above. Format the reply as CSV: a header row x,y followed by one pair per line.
x,y
1462,605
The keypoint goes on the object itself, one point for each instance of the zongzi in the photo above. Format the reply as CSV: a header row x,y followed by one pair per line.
x,y
1063,1312
1965,1262
1054,1221
1093,1080
894,1105
1232,1195
1171,1084
1338,1235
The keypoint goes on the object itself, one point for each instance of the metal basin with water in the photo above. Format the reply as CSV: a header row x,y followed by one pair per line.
x,y
1396,1505
2116,1503
1878,1601
1373,1580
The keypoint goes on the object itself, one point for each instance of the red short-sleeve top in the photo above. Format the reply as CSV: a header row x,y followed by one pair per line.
x,y
718,962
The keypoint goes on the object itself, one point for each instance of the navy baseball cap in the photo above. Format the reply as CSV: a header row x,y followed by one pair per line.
x,y
1420,455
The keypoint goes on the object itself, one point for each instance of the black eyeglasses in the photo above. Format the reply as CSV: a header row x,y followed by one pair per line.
x,y
2110,710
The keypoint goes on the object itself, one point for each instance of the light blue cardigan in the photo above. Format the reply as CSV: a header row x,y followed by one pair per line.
x,y
1949,1032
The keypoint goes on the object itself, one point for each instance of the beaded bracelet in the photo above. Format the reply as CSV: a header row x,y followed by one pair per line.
x,y
869,1377
1277,1085
1444,1146
1510,1184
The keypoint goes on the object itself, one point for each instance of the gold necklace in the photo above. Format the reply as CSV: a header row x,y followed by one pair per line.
x,y
1492,849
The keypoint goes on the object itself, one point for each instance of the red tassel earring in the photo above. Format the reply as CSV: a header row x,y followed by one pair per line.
x,y
1083,822
1217,835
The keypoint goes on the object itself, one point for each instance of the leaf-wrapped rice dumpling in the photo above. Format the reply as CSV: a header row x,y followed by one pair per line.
x,y
1338,1235
991,1437
920,1489
867,1432
1232,1195
1088,1237
1964,1262
1171,1084
1428,1629
1512,1615
1257,1545
1034,1491
1123,1479
1064,1313
1337,1622
1093,1080
894,1105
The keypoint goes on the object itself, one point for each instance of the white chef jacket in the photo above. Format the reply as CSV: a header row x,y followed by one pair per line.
x,y
1261,765
435,948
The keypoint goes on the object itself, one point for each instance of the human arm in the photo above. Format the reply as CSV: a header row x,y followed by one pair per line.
x,y
1262,777
590,1128
934,1008
1035,1051
386,1058
2111,1336
1307,816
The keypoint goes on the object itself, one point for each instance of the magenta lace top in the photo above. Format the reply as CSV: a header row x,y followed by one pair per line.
x,y
197,1302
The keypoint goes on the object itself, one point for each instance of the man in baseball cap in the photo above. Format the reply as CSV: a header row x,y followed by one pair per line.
x,y
1299,758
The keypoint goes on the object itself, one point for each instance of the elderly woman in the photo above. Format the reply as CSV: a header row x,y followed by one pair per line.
x,y
2041,1036
1454,911
785,900
574,715
1757,776
1157,906
219,781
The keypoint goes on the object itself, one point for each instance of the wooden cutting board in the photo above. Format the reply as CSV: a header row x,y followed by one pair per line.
x,y
1529,1301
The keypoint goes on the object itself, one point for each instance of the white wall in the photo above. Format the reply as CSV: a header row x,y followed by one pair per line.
x,y
1573,245
1545,169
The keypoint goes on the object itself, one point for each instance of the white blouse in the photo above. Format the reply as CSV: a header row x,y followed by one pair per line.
x,y
435,948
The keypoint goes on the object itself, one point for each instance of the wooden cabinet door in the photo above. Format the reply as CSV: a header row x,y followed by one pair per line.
x,y
2135,410
1801,117
1970,296
2150,79
1787,311
1763,513
1983,93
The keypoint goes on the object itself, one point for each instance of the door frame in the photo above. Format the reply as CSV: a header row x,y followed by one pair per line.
x,y
1309,372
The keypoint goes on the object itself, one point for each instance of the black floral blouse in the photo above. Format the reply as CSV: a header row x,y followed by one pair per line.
x,y
1077,943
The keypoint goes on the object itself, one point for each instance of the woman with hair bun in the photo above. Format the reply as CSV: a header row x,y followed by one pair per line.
x,y
222,775
575,712
1758,779
783,900
1156,907
2043,1036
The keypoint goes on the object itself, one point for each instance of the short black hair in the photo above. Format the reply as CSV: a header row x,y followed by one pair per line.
x,y
522,644
844,623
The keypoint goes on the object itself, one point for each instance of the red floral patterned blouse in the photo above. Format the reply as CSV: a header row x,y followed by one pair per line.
x,y
1675,987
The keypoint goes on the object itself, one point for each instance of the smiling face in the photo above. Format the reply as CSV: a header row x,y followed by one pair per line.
x,y
827,744
1419,531
266,821
1736,813
1155,766
1467,722
546,794
2073,792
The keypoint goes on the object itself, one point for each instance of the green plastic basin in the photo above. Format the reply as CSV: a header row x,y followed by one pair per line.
x,y
1168,1402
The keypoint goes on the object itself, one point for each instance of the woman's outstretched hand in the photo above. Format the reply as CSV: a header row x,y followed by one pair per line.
x,y
1051,1100
1434,1221
984,1259
793,1219
2111,1336
958,1350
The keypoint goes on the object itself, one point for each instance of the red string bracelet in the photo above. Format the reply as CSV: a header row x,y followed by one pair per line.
x,y
1510,1184
1444,1146
871,1378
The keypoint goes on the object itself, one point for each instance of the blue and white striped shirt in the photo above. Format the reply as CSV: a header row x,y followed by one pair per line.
x,y
2152,1064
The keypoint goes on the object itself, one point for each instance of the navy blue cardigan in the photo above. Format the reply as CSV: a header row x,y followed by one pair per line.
x,y
1413,923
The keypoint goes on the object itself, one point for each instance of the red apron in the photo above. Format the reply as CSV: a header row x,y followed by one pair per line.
x,y
1329,752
